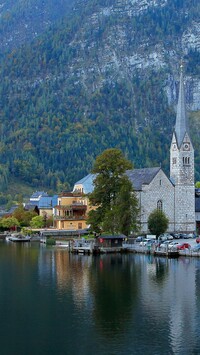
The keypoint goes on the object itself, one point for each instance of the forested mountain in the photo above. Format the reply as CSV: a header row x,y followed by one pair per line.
x,y
103,74
23,20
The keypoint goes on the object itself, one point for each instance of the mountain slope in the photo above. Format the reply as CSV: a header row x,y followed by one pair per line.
x,y
23,20
105,76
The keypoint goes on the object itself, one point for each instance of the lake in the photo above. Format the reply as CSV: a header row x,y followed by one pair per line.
x,y
53,302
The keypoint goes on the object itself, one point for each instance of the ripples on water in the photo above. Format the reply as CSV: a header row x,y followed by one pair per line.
x,y
52,302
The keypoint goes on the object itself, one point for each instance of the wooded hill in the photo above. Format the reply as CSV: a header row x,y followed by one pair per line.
x,y
106,75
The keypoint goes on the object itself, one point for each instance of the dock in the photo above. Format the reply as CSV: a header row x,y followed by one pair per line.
x,y
82,246
167,253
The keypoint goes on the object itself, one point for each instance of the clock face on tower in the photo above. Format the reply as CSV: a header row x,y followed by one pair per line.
x,y
186,146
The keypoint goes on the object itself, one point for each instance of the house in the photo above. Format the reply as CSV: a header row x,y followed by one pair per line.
x,y
71,210
42,203
109,243
46,205
36,196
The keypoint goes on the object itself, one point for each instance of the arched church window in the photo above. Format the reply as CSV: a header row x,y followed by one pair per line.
x,y
159,205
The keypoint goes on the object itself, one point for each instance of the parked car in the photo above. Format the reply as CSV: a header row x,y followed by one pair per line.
x,y
170,237
196,247
177,236
139,239
191,235
184,246
162,237
146,242
173,245
165,244
198,240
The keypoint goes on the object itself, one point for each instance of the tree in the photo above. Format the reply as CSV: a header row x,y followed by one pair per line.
x,y
24,217
9,222
157,222
197,185
113,194
127,208
37,222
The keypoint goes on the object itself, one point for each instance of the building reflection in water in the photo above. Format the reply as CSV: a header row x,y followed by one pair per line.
x,y
157,296
169,299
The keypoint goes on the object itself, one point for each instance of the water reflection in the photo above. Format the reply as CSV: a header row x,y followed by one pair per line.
x,y
114,287
132,304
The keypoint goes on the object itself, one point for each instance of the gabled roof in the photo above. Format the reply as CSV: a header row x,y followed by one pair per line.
x,y
87,183
12,209
140,177
38,194
29,206
48,202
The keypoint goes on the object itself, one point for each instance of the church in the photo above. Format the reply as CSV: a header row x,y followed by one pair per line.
x,y
174,195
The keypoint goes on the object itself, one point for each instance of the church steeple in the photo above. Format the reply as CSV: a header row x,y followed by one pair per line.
x,y
181,151
182,167
181,126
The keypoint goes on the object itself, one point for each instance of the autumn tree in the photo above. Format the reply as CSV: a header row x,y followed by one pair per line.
x,y
113,195
24,217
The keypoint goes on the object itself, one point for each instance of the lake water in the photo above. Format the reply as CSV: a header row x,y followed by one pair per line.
x,y
56,303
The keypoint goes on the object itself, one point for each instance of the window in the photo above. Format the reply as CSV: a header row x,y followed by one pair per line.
x,y
159,205
186,160
174,161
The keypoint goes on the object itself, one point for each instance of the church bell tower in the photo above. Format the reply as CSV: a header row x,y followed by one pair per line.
x,y
182,168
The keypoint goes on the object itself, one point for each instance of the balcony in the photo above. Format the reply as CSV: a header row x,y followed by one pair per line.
x,y
69,218
72,207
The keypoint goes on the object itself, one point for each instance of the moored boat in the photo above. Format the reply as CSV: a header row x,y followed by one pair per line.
x,y
19,238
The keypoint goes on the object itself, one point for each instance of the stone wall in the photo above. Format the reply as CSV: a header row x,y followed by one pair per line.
x,y
160,189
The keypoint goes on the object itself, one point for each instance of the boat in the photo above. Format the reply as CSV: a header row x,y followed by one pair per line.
x,y
19,238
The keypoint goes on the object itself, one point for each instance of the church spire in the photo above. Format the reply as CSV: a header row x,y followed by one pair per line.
x,y
181,126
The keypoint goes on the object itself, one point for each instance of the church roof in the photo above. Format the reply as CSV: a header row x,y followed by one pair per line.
x,y
87,183
181,126
140,177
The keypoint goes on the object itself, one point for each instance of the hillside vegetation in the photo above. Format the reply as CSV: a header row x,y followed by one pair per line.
x,y
104,76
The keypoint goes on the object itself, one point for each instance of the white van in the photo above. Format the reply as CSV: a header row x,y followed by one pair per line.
x,y
151,236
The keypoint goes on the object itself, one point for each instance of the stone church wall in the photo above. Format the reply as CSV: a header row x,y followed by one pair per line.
x,y
160,189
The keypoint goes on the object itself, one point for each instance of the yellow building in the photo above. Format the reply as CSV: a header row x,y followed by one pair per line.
x,y
71,211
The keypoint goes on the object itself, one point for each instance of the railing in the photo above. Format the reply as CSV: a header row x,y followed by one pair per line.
x,y
75,204
68,218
